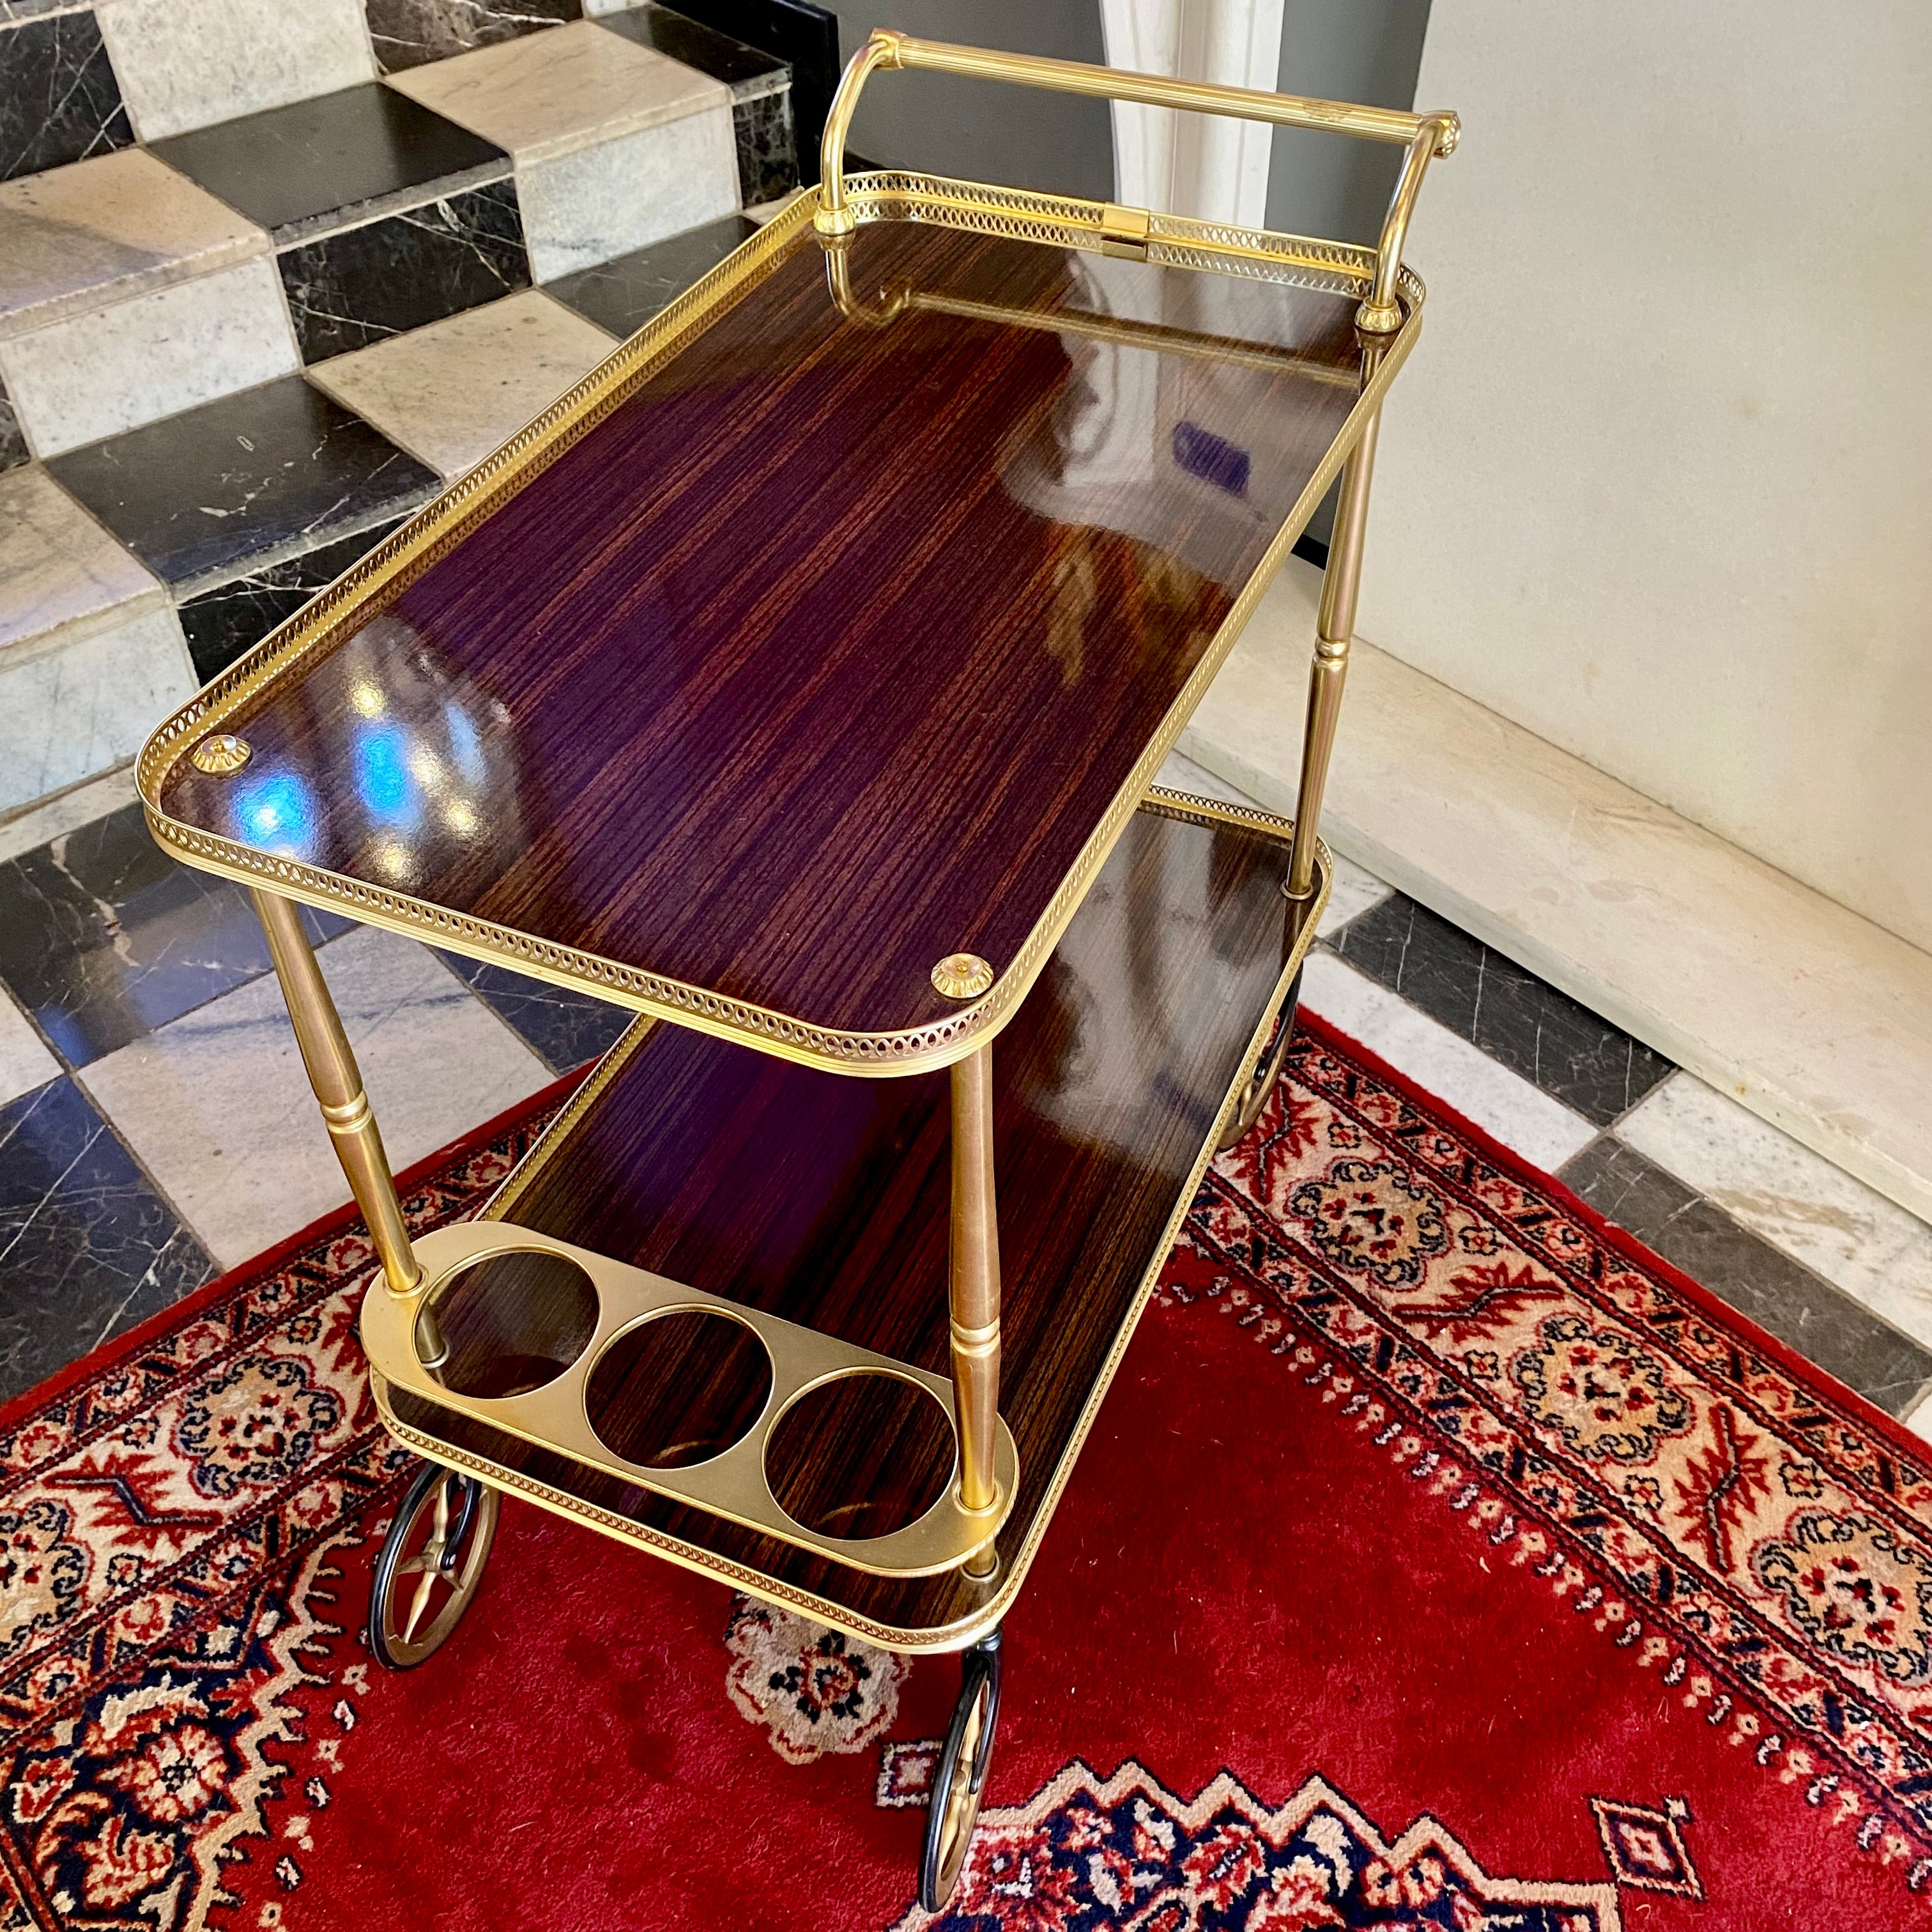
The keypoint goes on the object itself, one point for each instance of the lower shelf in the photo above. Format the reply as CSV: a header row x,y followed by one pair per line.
x,y
824,1201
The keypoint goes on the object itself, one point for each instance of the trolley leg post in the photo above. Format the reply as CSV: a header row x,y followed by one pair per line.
x,y
337,1081
975,1290
1330,668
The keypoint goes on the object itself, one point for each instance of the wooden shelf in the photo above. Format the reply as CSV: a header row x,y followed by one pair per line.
x,y
825,632
824,1202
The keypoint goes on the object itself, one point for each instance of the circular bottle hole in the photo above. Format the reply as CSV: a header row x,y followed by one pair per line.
x,y
862,1455
680,1388
514,1321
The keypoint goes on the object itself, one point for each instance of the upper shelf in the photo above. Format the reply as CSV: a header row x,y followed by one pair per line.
x,y
833,626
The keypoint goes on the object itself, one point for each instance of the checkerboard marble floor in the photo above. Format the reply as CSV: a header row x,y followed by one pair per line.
x,y
270,275
155,1127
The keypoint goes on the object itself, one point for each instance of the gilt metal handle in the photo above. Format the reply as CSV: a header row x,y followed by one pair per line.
x,y
1425,135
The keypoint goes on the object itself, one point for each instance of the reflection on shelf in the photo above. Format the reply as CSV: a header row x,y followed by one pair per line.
x,y
402,755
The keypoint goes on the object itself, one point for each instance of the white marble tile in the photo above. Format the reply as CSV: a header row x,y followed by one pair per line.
x,y
546,95
109,369
216,1105
1813,1018
24,1061
183,64
1816,1213
1523,1117
1179,772
101,231
58,566
602,201
88,700
80,805
453,392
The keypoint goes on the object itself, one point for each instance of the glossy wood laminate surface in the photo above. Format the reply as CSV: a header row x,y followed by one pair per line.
x,y
824,654
824,1201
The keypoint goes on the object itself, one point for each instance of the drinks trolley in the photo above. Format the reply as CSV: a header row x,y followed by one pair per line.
x,y
799,681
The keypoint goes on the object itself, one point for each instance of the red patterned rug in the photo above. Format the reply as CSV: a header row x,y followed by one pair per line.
x,y
1441,1559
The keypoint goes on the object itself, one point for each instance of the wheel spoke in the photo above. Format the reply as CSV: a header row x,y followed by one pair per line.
x,y
451,1521
420,1604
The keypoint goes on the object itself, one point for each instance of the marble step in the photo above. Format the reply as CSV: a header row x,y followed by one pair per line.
x,y
614,144
126,293
91,649
381,214
762,116
139,283
245,506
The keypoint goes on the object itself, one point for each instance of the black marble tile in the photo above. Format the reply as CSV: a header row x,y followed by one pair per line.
x,y
1514,1016
59,101
806,37
88,1247
1823,1324
14,451
760,84
412,33
232,488
564,1028
365,284
767,149
623,295
104,938
681,38
342,158
219,625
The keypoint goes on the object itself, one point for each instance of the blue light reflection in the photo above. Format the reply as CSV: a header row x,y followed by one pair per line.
x,y
383,781
277,812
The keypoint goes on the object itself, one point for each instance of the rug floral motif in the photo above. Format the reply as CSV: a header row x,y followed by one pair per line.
x,y
167,1526
814,1690
1754,1539
1084,1854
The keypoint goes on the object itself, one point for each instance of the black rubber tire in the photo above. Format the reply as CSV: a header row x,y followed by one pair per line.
x,y
981,1668
473,1498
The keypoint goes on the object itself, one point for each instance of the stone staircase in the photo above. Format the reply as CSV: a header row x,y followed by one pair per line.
x,y
270,275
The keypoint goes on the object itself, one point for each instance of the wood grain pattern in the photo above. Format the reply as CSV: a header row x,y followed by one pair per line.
x,y
822,656
824,1200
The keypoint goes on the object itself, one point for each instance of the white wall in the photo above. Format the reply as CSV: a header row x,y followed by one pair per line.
x,y
1657,483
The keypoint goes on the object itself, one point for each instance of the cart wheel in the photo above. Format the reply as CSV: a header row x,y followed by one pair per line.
x,y
461,1514
1261,1083
959,1780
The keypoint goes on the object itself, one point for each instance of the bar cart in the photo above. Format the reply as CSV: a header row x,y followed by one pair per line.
x,y
799,681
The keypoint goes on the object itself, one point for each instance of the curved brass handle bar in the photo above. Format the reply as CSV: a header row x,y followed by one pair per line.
x,y
1122,330
1381,314
1425,135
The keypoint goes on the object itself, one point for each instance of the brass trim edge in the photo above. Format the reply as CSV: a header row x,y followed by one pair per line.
x,y
368,586
990,1614
589,1090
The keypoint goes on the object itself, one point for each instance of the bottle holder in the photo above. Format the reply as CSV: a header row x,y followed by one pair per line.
x,y
679,1392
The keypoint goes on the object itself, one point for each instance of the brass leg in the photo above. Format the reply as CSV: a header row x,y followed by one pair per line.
x,y
975,1288
333,1073
1330,668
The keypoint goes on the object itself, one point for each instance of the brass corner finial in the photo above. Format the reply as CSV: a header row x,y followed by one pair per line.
x,y
220,754
962,976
